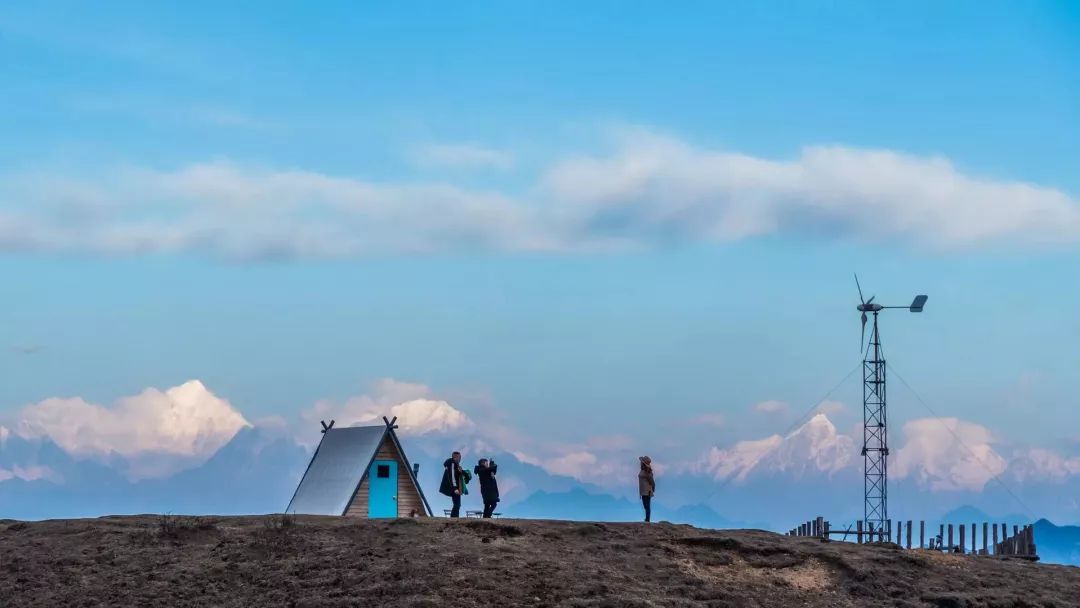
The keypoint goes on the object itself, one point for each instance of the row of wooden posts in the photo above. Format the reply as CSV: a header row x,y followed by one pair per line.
x,y
1021,543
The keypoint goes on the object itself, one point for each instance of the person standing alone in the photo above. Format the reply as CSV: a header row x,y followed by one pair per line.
x,y
452,482
489,488
646,485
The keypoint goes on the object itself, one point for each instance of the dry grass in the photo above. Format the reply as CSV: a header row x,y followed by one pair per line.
x,y
321,562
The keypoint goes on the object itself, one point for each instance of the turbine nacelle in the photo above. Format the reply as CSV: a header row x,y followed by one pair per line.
x,y
869,306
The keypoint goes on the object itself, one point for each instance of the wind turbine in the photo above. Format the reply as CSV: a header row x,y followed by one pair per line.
x,y
875,449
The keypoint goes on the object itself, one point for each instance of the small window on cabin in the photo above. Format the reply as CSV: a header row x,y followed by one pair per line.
x,y
383,472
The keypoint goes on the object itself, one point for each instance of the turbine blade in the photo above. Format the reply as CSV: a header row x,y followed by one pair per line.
x,y
871,299
862,343
860,289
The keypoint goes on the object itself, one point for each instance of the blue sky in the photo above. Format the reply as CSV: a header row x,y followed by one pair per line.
x,y
158,167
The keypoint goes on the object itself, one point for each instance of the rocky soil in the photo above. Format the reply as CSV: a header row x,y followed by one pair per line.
x,y
313,561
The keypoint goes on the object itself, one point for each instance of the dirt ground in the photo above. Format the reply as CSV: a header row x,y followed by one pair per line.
x,y
314,561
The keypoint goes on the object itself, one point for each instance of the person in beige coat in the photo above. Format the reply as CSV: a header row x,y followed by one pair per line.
x,y
646,485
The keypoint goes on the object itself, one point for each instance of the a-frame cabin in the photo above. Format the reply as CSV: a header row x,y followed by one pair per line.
x,y
359,471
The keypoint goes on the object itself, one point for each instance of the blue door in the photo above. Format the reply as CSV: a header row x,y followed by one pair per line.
x,y
382,489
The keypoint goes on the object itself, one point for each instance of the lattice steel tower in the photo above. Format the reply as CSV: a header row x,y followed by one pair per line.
x,y
875,449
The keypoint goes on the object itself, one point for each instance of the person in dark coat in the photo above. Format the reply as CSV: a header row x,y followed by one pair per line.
x,y
646,485
452,482
489,488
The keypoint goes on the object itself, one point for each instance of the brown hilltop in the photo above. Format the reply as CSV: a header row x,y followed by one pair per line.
x,y
313,561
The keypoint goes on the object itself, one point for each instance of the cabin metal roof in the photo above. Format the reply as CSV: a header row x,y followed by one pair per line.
x,y
336,470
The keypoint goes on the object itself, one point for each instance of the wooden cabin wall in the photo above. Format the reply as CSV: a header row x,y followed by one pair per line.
x,y
359,506
408,495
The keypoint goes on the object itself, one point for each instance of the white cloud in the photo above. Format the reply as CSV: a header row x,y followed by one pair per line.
x,y
186,420
651,189
933,456
462,156
243,212
603,470
657,187
1042,464
30,473
831,408
771,406
4,434
574,464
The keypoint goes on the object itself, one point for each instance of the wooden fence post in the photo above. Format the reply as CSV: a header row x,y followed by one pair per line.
x,y
986,529
950,538
963,545
922,534
974,541
858,531
994,546
909,534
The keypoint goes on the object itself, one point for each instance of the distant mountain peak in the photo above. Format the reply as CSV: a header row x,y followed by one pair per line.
x,y
813,448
